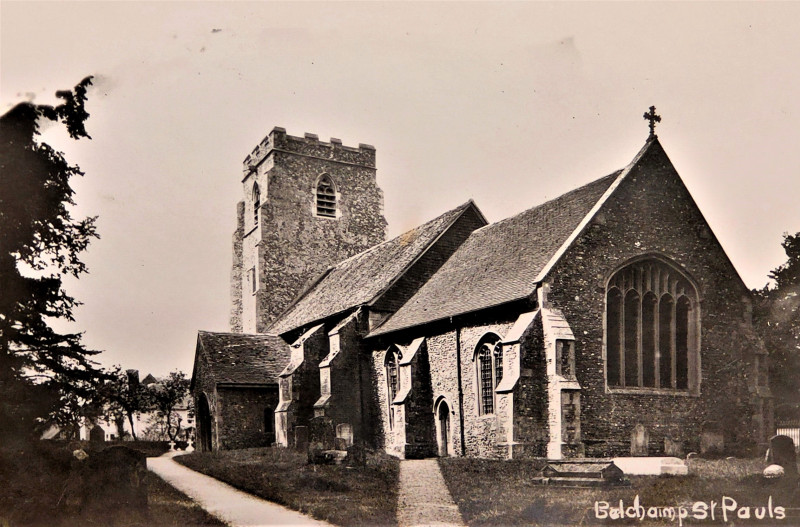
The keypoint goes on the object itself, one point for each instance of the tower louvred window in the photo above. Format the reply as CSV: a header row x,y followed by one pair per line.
x,y
256,203
326,198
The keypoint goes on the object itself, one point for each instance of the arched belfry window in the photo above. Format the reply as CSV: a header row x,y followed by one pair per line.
x,y
256,203
392,379
652,328
489,371
326,197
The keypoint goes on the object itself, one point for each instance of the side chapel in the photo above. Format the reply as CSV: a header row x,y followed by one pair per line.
x,y
606,322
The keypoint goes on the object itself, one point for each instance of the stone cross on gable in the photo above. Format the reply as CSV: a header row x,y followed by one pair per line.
x,y
653,118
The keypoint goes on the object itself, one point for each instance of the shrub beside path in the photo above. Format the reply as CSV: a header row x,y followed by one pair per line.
x,y
423,498
230,505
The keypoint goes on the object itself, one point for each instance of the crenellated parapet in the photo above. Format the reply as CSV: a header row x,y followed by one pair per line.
x,y
309,145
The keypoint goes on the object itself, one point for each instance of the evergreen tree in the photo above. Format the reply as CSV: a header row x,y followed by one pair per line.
x,y
777,316
40,244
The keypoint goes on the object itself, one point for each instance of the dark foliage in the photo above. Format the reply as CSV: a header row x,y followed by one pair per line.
x,y
40,243
41,484
777,317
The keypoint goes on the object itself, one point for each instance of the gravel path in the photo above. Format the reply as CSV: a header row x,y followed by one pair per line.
x,y
423,498
230,505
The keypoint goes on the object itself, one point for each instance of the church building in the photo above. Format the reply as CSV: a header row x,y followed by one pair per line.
x,y
606,322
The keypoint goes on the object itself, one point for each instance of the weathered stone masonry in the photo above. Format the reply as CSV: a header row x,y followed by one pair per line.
x,y
290,244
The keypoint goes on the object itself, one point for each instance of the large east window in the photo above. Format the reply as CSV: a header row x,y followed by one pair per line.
x,y
652,333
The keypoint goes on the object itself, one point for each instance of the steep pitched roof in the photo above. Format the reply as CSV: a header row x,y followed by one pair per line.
x,y
502,262
240,358
364,277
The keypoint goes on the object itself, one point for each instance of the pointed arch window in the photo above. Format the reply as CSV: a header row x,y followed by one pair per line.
x,y
392,379
256,203
489,371
326,197
652,328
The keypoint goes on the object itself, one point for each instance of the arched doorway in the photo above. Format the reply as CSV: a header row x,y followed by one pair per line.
x,y
204,424
443,428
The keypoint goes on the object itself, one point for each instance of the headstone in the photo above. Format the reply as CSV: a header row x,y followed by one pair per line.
x,y
115,478
639,440
781,452
711,442
301,438
673,447
97,434
345,431
321,433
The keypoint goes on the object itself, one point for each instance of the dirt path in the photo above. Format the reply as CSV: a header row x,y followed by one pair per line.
x,y
230,505
423,498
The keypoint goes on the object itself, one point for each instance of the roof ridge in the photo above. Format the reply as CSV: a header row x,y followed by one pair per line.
x,y
560,196
420,226
238,334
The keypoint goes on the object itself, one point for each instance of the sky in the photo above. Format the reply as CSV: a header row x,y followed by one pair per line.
x,y
509,104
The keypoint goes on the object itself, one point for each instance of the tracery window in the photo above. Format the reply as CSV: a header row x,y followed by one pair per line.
x,y
392,379
256,203
326,197
652,333
489,370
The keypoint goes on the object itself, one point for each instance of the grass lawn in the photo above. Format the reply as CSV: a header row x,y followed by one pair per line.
x,y
358,495
35,488
490,492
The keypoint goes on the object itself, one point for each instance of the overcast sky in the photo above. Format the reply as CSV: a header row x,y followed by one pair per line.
x,y
510,104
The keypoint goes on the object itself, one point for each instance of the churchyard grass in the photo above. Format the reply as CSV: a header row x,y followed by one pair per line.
x,y
38,487
344,495
491,492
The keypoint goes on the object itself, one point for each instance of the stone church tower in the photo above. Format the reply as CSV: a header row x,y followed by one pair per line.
x,y
307,205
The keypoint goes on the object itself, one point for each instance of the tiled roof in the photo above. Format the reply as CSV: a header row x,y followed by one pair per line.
x,y
241,358
363,277
499,262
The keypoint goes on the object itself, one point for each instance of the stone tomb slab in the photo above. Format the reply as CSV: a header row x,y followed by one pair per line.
x,y
652,466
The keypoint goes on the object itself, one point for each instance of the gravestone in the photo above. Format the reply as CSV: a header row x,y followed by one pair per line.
x,y
639,440
321,433
711,442
97,434
301,438
781,452
115,478
345,431
672,447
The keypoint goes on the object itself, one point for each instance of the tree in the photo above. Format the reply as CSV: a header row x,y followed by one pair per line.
x,y
40,244
165,397
125,396
777,317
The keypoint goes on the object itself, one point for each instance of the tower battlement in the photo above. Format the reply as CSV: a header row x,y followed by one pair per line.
x,y
309,145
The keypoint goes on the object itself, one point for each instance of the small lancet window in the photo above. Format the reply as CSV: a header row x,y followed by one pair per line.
x,y
326,197
489,371
392,380
256,203
565,357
